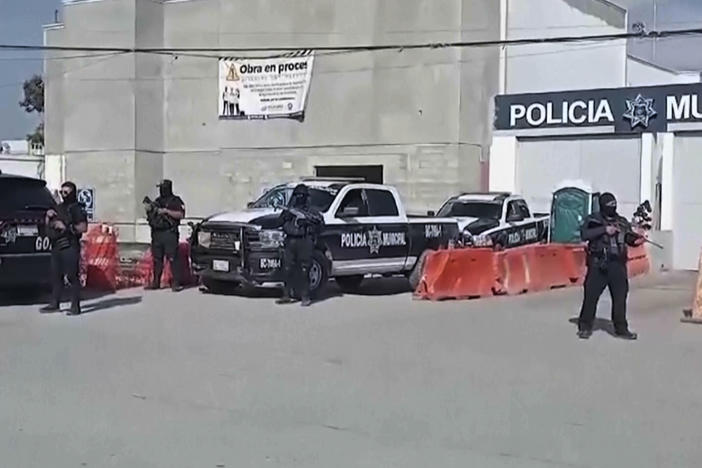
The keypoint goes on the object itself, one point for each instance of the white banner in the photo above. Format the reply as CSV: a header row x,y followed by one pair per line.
x,y
265,88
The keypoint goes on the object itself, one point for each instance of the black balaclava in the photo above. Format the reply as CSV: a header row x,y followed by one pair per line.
x,y
300,196
608,205
73,196
165,188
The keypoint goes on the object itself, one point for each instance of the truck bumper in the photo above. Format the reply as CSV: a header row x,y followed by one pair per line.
x,y
257,268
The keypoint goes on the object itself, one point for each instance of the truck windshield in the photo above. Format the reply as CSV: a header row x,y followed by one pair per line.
x,y
464,209
320,199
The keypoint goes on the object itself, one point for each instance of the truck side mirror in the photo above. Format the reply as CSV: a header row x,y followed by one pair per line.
x,y
431,213
250,204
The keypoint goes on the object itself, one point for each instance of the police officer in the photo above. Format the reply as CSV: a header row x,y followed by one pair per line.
x,y
301,224
65,226
608,236
164,215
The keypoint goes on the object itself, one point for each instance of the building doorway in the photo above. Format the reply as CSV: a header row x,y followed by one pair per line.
x,y
370,174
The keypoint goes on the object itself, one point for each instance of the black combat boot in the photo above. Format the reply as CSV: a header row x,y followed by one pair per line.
x,y
285,298
626,335
49,309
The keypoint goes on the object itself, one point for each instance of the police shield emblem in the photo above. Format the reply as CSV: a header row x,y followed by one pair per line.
x,y
375,240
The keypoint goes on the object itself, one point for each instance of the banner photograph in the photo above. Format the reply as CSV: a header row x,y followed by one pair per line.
x,y
265,88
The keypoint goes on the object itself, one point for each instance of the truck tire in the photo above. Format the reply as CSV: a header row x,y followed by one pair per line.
x,y
349,283
319,274
416,275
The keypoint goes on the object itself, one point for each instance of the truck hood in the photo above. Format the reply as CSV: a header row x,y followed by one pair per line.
x,y
255,216
464,222
476,225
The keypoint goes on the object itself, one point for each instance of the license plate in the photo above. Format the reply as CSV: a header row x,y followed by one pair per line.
x,y
269,263
220,265
27,230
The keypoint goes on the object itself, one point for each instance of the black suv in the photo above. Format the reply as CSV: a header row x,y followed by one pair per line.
x,y
25,249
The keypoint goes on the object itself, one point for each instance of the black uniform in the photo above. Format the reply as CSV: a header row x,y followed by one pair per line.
x,y
65,253
606,267
164,234
301,225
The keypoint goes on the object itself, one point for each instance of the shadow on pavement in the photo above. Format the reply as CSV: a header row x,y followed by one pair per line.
x,y
369,287
41,296
110,303
380,287
600,325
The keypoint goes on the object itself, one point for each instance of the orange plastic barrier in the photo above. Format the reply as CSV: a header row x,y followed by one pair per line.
x,y
459,274
513,271
468,273
639,262
101,258
694,314
145,268
575,263
549,267
83,267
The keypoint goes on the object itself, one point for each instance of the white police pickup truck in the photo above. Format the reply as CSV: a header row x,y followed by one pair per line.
x,y
499,219
367,232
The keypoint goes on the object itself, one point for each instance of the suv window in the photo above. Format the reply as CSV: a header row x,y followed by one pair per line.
x,y
513,211
381,203
523,209
354,199
24,195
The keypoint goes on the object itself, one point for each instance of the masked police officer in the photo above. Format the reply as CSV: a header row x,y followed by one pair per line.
x,y
608,236
164,215
301,224
65,226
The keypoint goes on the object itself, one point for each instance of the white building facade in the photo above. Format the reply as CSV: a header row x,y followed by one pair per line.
x,y
592,113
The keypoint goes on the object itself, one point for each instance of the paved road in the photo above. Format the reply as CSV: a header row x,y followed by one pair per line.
x,y
192,380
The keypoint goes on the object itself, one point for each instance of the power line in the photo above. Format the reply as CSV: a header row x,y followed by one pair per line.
x,y
317,72
56,59
369,48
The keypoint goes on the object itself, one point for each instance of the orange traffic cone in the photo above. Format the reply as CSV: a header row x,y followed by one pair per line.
x,y
694,315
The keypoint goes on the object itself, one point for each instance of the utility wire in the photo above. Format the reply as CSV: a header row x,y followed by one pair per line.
x,y
370,48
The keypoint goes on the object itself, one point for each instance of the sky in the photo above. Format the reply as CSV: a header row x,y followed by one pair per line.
x,y
21,23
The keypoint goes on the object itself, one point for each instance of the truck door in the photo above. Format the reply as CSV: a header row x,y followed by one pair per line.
x,y
367,233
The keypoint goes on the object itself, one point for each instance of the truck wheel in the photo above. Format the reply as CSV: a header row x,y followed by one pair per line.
x,y
319,273
215,286
349,283
416,275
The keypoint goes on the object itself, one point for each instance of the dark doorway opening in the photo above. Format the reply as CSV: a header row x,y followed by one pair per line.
x,y
370,174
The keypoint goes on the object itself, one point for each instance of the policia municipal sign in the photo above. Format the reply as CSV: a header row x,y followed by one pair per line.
x,y
619,110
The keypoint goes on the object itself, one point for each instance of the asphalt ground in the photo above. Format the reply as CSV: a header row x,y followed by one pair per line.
x,y
376,379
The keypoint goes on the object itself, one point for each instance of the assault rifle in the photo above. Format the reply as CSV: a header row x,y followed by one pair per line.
x,y
60,237
302,217
156,219
622,229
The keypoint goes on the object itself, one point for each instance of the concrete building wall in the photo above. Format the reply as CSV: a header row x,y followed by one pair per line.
x,y
560,67
123,122
641,73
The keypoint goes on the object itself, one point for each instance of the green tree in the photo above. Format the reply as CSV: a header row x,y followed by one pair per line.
x,y
34,102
